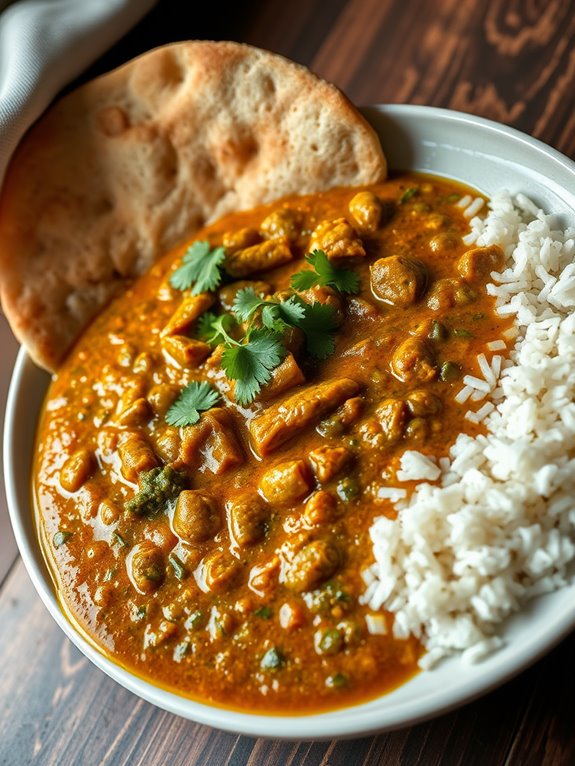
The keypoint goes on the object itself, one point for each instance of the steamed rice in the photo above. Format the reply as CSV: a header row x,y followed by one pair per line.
x,y
498,526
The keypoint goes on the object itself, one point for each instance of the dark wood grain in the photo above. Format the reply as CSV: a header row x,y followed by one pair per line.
x,y
510,60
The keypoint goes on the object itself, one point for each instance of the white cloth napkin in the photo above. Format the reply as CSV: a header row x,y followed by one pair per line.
x,y
43,45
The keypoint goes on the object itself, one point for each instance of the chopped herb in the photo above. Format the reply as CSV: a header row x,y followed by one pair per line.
x,y
337,681
330,642
479,315
264,612
347,489
214,329
118,539
449,371
454,197
61,537
408,194
438,331
156,488
325,274
318,325
273,659
251,363
196,620
201,268
141,611
194,399
461,332
154,573
179,569
275,315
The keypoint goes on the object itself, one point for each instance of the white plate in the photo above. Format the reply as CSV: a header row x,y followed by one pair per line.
x,y
478,152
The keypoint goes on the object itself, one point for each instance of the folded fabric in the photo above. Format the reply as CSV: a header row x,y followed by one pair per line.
x,y
46,43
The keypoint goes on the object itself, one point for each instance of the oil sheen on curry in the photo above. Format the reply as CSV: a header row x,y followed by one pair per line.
x,y
212,452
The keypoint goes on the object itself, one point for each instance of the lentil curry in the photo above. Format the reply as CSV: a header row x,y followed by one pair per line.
x,y
212,452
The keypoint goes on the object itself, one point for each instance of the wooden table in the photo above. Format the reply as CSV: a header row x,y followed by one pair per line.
x,y
512,61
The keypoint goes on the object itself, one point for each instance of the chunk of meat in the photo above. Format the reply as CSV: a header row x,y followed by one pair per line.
x,y
286,483
449,293
192,307
162,396
136,414
136,456
283,421
265,255
327,462
337,238
422,403
247,519
77,470
366,209
284,222
146,567
287,375
398,280
313,564
227,294
211,444
477,264
392,415
240,239
321,508
413,360
187,352
196,516
217,572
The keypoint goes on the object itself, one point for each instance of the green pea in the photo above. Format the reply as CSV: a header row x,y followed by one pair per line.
x,y
347,489
449,371
331,642
337,681
273,659
438,331
61,537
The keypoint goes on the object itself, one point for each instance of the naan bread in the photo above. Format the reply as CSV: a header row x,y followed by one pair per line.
x,y
132,163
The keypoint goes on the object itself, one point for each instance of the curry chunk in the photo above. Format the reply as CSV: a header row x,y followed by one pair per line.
x,y
192,307
136,456
187,352
282,422
413,360
327,462
422,403
287,375
392,415
313,564
327,297
286,483
265,255
477,264
284,222
449,293
398,280
366,209
218,571
321,508
247,520
337,238
211,444
77,470
196,517
136,414
146,567
240,239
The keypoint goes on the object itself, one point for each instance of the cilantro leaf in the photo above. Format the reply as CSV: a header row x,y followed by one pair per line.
x,y
214,329
251,364
195,398
246,302
201,268
319,325
325,274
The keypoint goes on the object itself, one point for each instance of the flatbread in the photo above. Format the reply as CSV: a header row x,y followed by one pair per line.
x,y
132,163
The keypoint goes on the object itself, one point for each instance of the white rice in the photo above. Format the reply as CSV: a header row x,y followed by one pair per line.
x,y
498,525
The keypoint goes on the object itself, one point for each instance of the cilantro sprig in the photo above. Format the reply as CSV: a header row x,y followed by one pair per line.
x,y
194,399
325,274
250,364
201,269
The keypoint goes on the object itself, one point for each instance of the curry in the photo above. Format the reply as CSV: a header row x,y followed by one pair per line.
x,y
215,448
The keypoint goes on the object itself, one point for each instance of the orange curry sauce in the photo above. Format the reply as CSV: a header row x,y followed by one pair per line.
x,y
241,586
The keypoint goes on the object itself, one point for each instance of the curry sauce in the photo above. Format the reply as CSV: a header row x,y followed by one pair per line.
x,y
205,511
